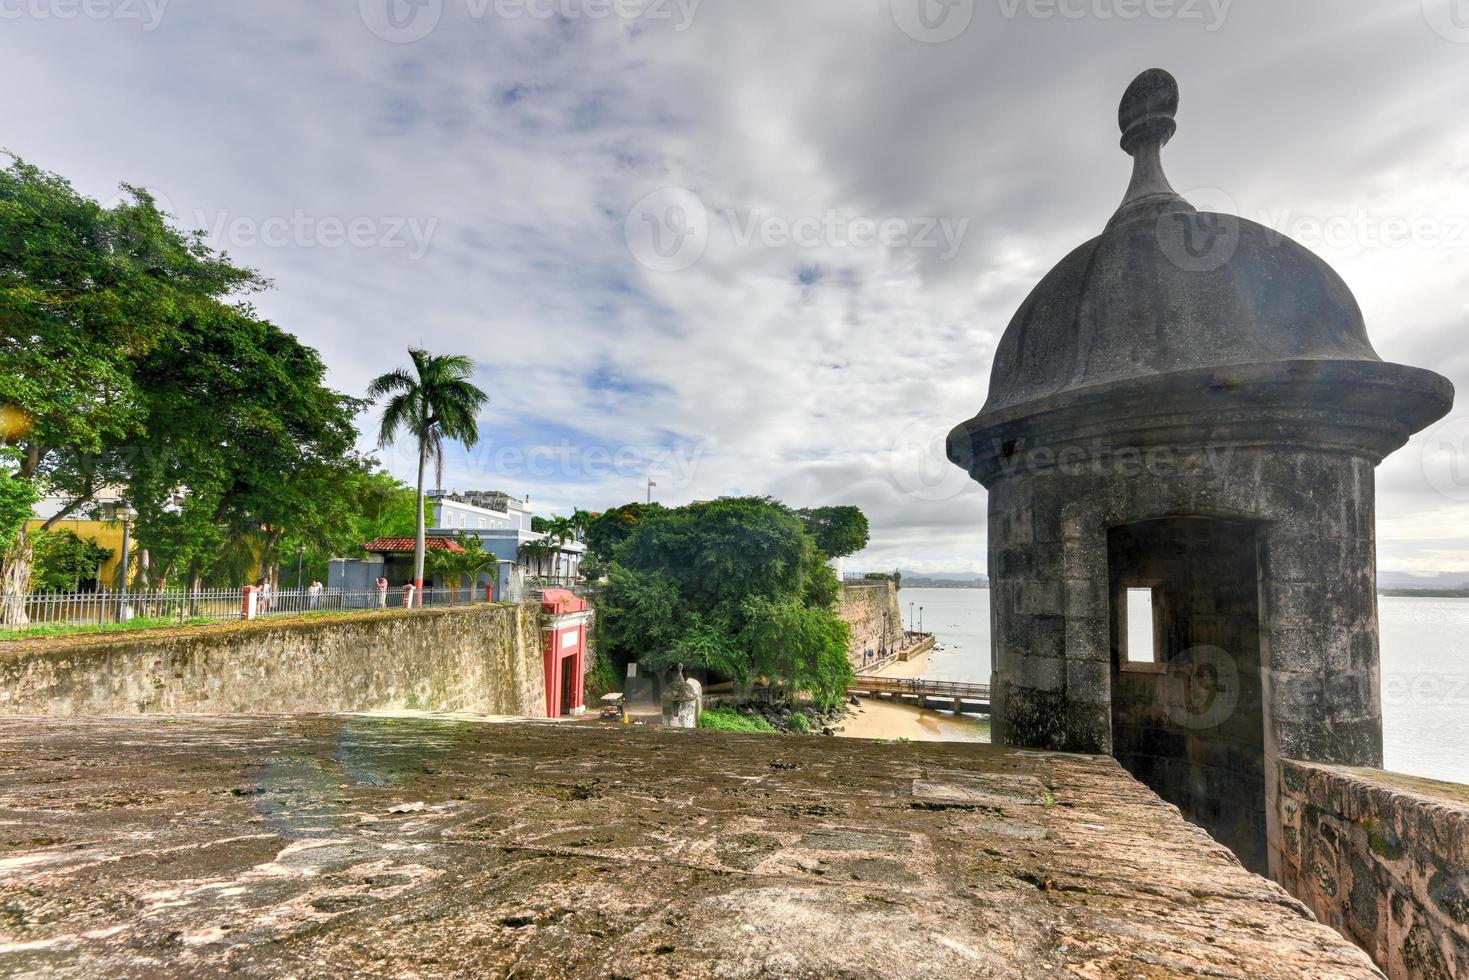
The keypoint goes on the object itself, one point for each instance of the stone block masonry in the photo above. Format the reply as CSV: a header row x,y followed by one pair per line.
x,y
1384,859
871,610
483,658
368,847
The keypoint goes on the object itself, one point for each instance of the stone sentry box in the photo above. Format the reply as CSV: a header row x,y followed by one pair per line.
x,y
1189,403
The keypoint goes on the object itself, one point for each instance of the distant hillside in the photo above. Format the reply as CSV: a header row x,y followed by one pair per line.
x,y
1437,581
944,580
1442,583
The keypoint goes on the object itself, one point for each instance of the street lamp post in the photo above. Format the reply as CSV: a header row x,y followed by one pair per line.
x,y
127,515
920,619
300,557
910,616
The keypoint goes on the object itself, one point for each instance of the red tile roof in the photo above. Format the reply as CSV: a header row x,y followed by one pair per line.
x,y
401,546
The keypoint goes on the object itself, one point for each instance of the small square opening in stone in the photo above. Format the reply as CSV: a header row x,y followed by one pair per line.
x,y
1141,643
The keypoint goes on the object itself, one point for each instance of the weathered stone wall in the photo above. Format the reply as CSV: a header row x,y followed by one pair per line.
x,y
1049,591
871,610
1383,859
1312,512
482,658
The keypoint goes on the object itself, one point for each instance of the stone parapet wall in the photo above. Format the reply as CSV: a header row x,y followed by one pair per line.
x,y
1383,859
482,658
871,610
916,650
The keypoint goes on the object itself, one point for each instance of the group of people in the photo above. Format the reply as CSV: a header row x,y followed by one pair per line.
x,y
265,594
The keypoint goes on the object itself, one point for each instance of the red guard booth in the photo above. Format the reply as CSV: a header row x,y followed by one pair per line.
x,y
564,632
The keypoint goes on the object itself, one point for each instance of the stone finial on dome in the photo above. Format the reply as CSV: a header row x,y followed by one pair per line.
x,y
1146,113
1145,117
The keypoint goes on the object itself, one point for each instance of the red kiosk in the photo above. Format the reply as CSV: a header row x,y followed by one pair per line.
x,y
564,636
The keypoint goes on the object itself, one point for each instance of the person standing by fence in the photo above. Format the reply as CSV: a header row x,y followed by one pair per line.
x,y
265,593
382,592
313,595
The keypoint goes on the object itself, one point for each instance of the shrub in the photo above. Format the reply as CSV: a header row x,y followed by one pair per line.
x,y
730,720
799,724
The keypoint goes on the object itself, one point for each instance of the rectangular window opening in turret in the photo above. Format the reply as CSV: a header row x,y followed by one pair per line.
x,y
1140,646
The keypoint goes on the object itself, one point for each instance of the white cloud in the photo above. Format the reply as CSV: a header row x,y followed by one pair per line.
x,y
799,370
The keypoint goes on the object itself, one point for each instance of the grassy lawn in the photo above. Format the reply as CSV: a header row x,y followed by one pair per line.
x,y
64,629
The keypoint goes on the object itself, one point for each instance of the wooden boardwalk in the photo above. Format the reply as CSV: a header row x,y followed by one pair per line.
x,y
956,696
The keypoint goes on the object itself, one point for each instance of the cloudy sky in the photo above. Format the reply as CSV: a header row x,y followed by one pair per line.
x,y
757,246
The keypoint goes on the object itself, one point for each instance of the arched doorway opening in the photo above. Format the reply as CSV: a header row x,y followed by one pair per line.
x,y
1187,705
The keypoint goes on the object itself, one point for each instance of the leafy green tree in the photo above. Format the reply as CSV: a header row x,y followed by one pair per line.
x,y
17,498
837,531
432,402
456,566
237,413
366,504
737,586
605,531
558,531
129,356
63,561
85,292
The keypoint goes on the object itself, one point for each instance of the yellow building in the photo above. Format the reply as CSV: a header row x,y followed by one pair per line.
x,y
92,522
104,534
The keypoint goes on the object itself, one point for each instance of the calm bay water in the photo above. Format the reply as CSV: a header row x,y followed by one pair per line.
x,y
1425,670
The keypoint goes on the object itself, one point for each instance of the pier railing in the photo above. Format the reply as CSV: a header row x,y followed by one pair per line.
x,y
919,687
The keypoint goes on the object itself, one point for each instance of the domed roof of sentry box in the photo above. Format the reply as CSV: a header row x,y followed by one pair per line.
x,y
1167,288
1168,297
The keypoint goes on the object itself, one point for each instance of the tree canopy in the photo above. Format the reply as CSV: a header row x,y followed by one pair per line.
x,y
65,561
735,585
605,531
130,357
837,531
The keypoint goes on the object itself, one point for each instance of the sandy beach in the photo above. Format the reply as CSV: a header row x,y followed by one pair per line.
x,y
890,720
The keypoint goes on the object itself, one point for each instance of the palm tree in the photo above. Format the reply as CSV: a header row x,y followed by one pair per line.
x,y
535,551
559,530
433,402
456,566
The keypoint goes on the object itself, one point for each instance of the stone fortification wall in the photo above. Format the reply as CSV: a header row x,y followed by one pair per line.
x,y
481,658
1383,859
871,610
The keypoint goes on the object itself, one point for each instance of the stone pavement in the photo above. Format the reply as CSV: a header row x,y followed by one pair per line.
x,y
351,846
